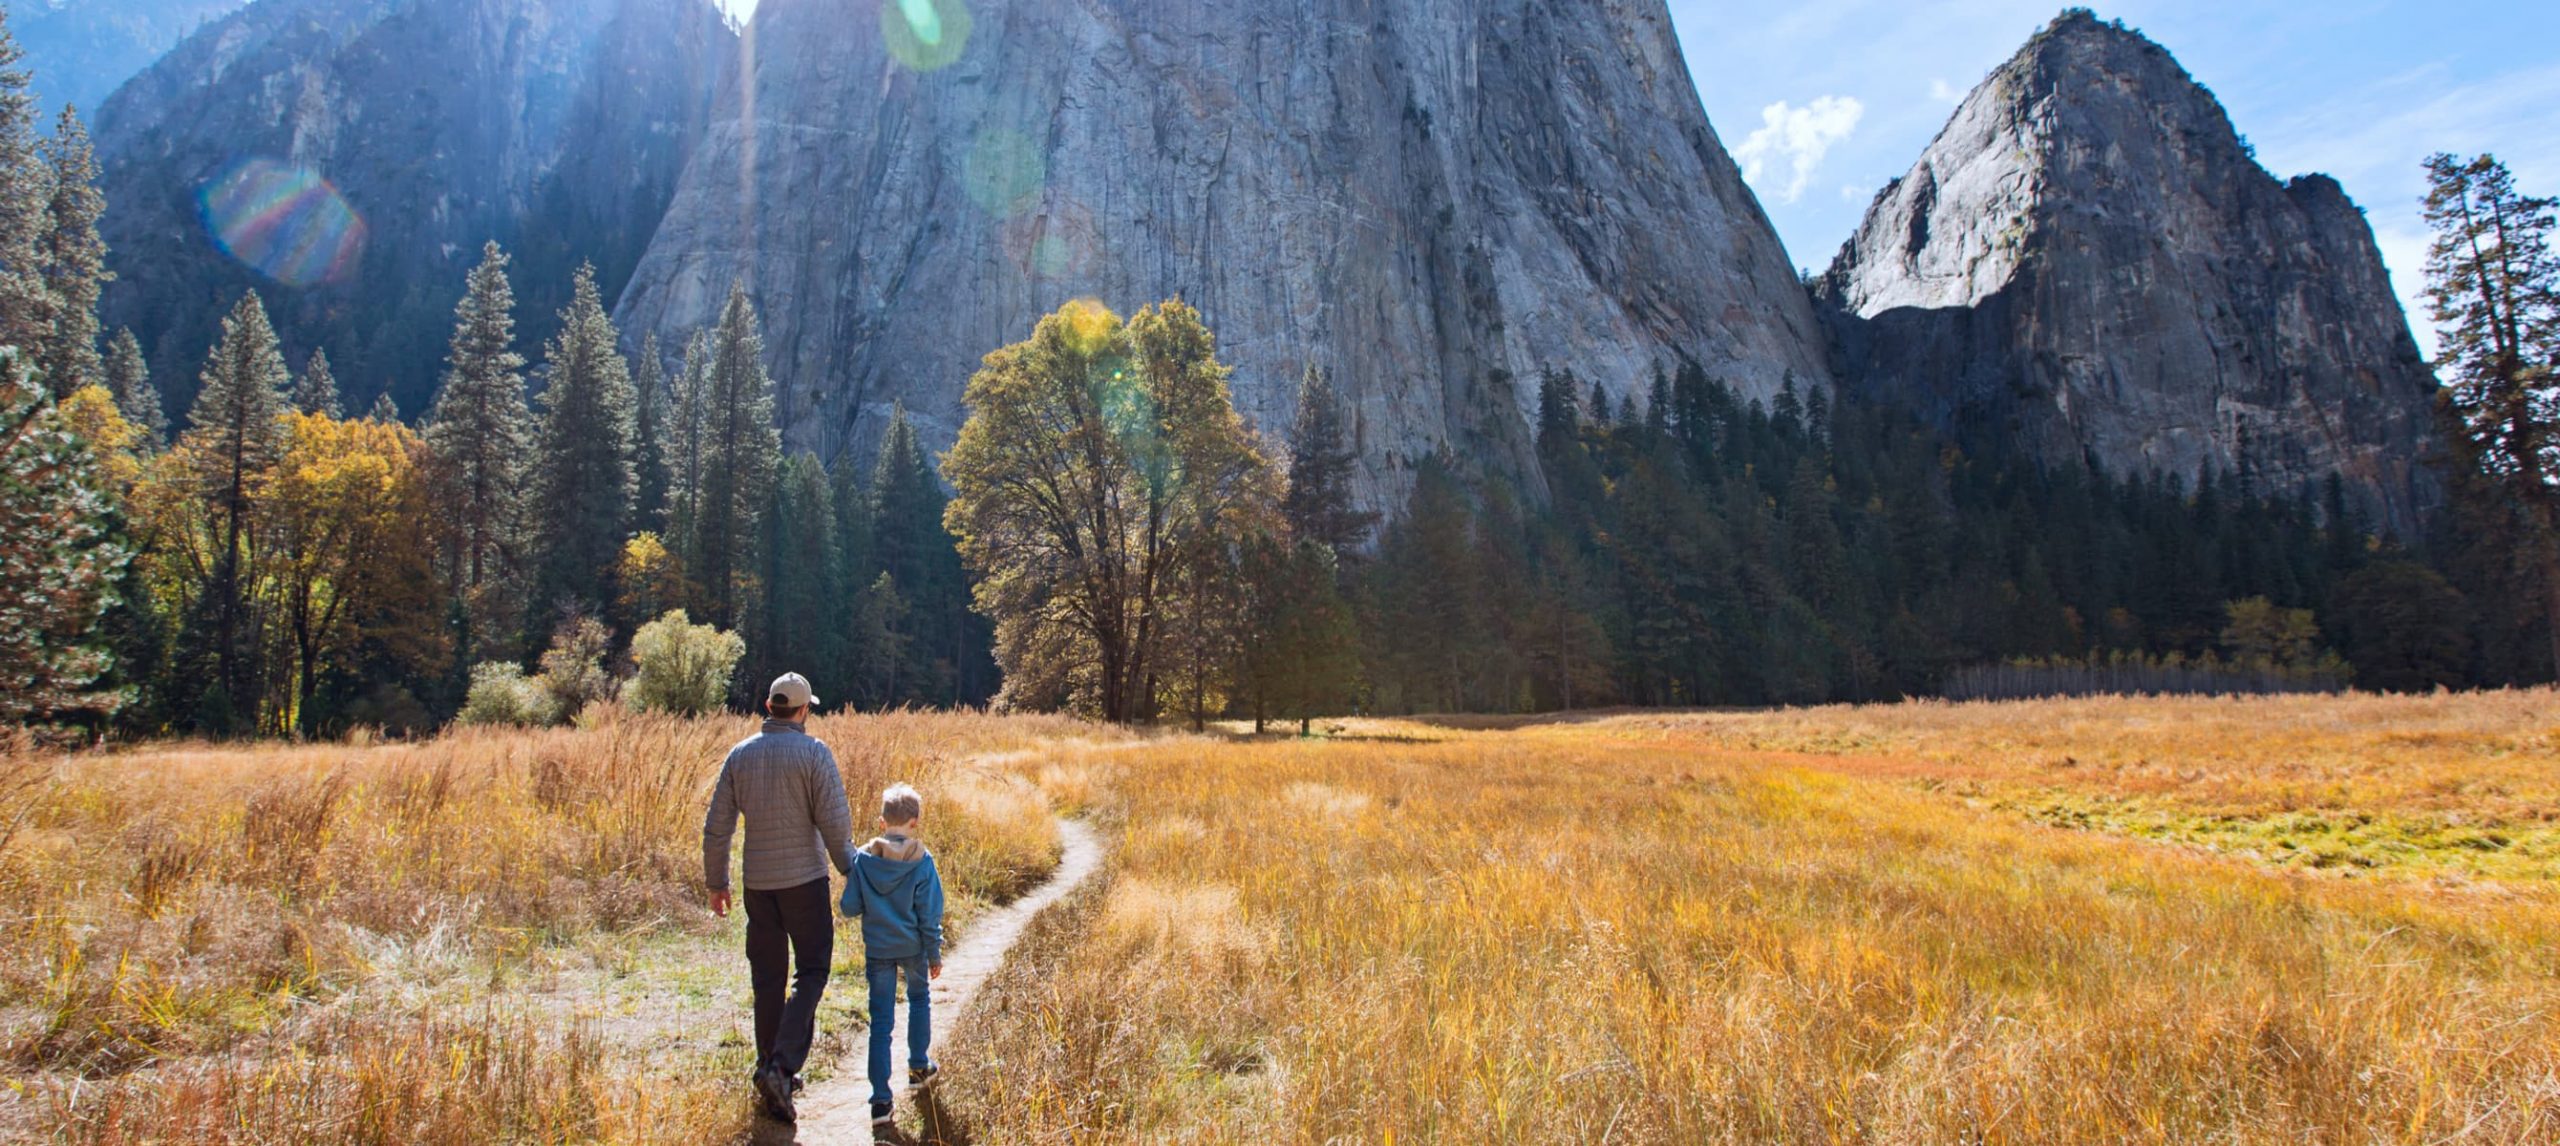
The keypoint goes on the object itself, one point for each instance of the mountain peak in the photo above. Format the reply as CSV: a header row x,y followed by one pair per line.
x,y
2089,260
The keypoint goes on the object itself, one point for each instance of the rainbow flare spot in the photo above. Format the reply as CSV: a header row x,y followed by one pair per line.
x,y
924,35
283,221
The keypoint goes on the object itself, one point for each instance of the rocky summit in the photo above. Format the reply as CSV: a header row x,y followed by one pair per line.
x,y
347,158
1434,200
2089,261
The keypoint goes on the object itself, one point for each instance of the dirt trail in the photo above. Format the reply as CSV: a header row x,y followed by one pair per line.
x,y
837,1112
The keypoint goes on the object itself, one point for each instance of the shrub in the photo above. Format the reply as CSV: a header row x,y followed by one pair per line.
x,y
683,667
573,671
501,694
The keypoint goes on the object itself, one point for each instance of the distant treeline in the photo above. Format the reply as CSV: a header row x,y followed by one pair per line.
x,y
1699,548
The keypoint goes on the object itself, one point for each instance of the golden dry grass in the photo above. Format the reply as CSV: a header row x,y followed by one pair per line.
x,y
2084,921
494,935
1792,927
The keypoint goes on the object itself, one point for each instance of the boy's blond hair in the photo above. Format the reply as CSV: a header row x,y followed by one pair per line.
x,y
901,804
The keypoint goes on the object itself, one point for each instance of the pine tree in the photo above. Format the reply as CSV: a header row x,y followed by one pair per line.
x,y
909,544
1319,505
316,391
60,558
689,418
75,258
26,202
2494,280
385,410
584,464
794,631
479,432
649,433
856,567
740,450
235,434
129,381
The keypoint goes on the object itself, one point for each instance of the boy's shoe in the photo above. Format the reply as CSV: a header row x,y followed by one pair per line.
x,y
920,1077
775,1088
882,1114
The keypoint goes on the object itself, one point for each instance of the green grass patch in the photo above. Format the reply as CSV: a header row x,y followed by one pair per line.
x,y
2337,840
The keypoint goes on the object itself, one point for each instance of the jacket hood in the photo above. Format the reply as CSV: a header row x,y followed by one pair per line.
x,y
889,862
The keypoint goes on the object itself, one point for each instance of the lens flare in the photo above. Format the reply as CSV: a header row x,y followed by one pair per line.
x,y
1003,172
283,221
921,17
925,34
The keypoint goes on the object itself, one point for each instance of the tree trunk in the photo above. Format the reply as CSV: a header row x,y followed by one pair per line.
x,y
2551,596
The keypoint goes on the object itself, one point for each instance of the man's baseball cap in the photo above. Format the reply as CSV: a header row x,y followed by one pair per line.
x,y
791,690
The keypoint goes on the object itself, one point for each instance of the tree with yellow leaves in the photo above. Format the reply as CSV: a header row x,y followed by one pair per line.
x,y
346,508
1105,486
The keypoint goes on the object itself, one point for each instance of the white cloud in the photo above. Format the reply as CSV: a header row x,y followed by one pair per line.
x,y
1944,92
1800,136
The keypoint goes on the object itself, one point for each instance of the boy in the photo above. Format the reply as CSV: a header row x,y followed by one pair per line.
x,y
897,894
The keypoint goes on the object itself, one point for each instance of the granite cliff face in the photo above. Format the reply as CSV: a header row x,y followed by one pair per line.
x,y
1433,199
348,157
2090,260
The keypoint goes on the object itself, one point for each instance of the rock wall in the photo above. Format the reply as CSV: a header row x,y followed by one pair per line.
x,y
2090,260
347,158
1433,199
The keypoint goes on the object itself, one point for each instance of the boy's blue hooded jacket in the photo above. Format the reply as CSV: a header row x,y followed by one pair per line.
x,y
897,894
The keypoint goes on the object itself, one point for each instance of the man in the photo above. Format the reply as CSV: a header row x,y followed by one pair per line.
x,y
785,784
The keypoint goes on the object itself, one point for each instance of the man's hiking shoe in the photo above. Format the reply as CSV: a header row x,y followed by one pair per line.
x,y
920,1077
775,1088
882,1114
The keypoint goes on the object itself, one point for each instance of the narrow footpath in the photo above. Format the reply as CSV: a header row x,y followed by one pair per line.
x,y
837,1112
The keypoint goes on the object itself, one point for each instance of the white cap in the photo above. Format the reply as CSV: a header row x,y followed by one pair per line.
x,y
792,689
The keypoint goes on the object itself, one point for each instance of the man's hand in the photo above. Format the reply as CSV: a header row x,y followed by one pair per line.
x,y
720,903
933,972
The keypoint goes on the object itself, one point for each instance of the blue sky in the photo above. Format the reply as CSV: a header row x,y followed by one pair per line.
x,y
2359,89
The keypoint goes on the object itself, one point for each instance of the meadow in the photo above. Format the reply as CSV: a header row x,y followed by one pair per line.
x,y
489,936
1827,925
2298,919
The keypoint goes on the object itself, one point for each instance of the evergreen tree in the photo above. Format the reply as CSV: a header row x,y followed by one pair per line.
x,y
235,435
479,432
129,382
794,632
649,434
2494,282
585,473
75,258
1319,505
857,567
688,428
943,640
740,449
1302,654
316,391
385,410
26,202
60,557
879,626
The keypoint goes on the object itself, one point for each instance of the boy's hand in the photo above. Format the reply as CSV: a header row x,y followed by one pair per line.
x,y
934,972
720,904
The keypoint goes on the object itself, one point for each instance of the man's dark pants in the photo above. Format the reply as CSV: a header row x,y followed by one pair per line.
x,y
790,929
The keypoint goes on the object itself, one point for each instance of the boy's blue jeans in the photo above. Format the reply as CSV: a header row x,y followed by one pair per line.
x,y
884,1017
